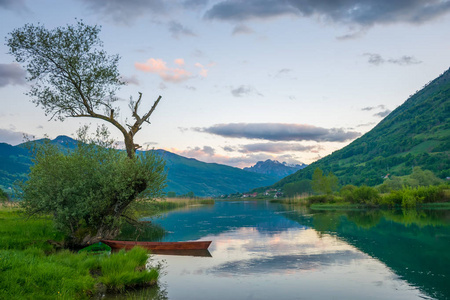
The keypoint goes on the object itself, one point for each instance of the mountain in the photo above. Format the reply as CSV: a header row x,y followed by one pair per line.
x,y
274,168
184,175
417,133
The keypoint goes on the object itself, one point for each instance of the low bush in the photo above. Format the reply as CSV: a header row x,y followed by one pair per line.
x,y
364,195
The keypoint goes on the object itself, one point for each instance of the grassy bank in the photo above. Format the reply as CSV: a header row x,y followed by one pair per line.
x,y
32,268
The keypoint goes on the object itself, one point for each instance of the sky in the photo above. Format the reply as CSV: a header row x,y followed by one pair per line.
x,y
242,81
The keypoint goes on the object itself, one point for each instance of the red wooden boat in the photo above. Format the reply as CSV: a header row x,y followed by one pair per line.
x,y
195,245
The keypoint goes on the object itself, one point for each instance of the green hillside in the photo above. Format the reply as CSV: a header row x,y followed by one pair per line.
x,y
417,133
184,175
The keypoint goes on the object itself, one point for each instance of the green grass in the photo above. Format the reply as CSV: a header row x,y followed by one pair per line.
x,y
16,232
31,268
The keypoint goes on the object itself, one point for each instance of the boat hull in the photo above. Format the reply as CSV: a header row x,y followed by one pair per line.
x,y
195,245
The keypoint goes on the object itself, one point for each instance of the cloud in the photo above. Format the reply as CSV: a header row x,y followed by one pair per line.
x,y
405,60
12,74
280,132
158,66
196,152
11,137
14,5
194,4
363,13
242,29
203,71
383,114
130,79
274,148
369,108
244,91
126,12
177,30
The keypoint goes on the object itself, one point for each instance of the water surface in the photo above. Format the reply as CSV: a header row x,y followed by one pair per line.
x,y
262,250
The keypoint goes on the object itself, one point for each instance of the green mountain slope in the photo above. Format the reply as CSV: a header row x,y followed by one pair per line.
x,y
183,174
417,133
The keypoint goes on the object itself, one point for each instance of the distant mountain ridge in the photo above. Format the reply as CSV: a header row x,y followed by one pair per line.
x,y
184,175
417,133
275,168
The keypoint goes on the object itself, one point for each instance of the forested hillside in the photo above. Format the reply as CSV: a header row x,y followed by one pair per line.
x,y
184,175
417,133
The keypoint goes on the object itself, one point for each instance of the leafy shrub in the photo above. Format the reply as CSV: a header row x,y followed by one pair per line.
x,y
413,196
365,195
89,191
347,193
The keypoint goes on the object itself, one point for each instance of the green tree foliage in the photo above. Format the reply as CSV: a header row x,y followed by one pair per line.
x,y
171,194
421,177
298,188
3,196
417,178
72,76
91,190
322,184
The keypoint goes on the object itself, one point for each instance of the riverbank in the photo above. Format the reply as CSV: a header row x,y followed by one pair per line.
x,y
33,268
352,197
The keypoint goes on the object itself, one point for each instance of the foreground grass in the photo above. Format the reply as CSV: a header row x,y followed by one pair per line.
x,y
31,268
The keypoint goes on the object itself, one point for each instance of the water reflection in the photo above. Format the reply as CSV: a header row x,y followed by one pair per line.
x,y
268,251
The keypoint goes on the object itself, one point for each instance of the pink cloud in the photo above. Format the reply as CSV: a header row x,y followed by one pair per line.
x,y
179,61
203,72
158,66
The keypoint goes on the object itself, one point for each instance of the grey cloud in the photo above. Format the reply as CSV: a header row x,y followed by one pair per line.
x,y
274,147
194,4
11,137
191,88
405,60
369,108
242,29
229,149
383,114
11,74
375,59
366,124
179,30
244,91
280,132
15,5
361,12
162,86
131,79
209,150
126,12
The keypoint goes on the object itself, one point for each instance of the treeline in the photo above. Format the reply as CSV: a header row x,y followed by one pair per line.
x,y
421,186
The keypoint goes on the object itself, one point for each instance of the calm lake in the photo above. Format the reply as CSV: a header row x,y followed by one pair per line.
x,y
264,250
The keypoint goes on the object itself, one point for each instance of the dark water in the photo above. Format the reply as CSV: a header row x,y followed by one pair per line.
x,y
262,250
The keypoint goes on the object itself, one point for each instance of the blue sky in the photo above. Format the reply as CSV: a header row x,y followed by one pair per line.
x,y
243,81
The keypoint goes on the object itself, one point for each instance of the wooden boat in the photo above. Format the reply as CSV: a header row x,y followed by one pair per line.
x,y
195,245
97,248
185,252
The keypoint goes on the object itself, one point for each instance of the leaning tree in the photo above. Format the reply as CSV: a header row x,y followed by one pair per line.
x,y
72,76
89,191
